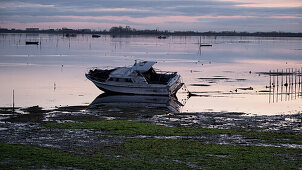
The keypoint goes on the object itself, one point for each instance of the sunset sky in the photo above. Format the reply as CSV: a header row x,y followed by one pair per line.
x,y
196,15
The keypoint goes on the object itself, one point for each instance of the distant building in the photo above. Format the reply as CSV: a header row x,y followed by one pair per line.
x,y
32,29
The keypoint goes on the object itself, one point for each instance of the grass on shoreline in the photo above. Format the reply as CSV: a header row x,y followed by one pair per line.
x,y
33,157
153,154
125,127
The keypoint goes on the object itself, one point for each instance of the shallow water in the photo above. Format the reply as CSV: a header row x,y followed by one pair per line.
x,y
52,74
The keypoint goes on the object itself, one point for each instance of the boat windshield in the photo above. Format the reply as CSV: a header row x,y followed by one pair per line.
x,y
158,77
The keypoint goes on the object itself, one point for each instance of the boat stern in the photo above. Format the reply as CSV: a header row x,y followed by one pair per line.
x,y
175,84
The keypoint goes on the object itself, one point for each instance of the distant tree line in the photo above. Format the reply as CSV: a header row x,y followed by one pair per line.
x,y
121,31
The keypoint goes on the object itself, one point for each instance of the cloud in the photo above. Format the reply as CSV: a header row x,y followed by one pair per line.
x,y
23,5
116,10
199,15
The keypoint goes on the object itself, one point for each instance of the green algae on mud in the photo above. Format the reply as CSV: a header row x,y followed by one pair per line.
x,y
200,155
154,154
33,157
126,127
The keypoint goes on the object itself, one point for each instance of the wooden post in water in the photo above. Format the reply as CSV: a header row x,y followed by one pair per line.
x,y
300,83
298,74
295,83
273,87
291,85
277,86
270,86
281,84
289,82
300,78
13,100
292,73
286,84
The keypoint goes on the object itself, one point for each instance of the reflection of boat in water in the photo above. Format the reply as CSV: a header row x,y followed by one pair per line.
x,y
137,101
141,78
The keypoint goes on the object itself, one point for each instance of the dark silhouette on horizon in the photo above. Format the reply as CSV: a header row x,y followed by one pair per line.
x,y
124,31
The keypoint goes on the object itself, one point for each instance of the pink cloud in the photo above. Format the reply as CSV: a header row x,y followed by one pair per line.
x,y
267,3
23,5
153,20
102,22
286,17
117,10
54,25
145,20
271,5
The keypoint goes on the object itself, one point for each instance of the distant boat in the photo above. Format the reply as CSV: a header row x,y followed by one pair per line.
x,y
161,37
141,79
32,43
95,36
205,45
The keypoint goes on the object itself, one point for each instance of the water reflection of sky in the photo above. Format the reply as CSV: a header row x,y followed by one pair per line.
x,y
52,74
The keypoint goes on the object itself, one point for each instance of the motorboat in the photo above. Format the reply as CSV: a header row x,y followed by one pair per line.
x,y
161,37
205,45
141,79
95,36
32,43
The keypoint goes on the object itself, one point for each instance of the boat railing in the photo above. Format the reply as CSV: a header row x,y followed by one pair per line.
x,y
100,68
164,72
99,74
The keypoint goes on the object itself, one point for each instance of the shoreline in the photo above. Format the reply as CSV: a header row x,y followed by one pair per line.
x,y
221,120
106,133
126,34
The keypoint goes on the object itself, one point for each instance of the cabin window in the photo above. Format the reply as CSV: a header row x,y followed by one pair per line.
x,y
113,79
129,80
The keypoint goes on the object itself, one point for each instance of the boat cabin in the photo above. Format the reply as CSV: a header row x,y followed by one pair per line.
x,y
139,73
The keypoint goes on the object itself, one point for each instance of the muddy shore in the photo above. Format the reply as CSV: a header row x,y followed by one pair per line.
x,y
26,126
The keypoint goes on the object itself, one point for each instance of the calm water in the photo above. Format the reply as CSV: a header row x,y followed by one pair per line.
x,y
52,74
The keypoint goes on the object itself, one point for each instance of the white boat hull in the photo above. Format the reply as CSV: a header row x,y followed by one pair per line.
x,y
148,89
